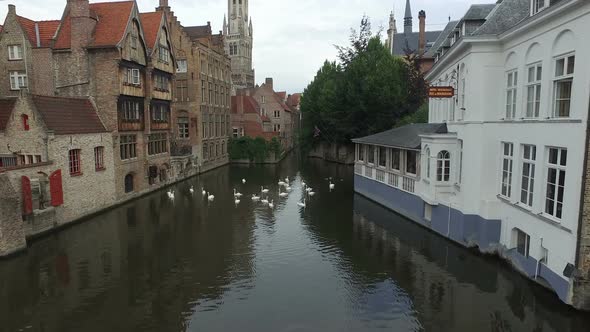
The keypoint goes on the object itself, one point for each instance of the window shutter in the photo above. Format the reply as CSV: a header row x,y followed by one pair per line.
x,y
27,196
55,187
26,122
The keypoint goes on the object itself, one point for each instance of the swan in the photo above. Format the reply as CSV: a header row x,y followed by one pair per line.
x,y
255,198
271,204
331,185
237,201
288,188
285,194
244,181
302,204
287,180
191,190
303,184
281,183
264,201
311,193
171,194
308,189
264,191
204,192
237,194
210,197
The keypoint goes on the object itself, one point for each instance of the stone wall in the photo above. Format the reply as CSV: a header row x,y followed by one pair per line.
x,y
343,154
12,233
581,282
12,34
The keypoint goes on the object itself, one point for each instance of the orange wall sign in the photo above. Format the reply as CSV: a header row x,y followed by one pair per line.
x,y
441,92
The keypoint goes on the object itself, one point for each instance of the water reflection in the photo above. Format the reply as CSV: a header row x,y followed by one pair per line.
x,y
342,263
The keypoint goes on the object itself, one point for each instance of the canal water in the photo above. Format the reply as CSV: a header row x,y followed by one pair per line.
x,y
341,264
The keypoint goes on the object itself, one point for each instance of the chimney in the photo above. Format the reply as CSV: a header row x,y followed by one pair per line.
x,y
163,6
422,33
81,23
12,9
268,82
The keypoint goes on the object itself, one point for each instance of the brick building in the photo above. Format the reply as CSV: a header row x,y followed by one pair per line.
x,y
51,150
247,119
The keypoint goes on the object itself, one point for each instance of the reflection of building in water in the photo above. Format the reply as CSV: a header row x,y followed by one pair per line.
x,y
454,289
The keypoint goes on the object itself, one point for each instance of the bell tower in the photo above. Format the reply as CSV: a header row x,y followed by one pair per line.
x,y
238,31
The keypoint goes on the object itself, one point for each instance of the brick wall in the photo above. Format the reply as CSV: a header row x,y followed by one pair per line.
x,y
12,234
12,34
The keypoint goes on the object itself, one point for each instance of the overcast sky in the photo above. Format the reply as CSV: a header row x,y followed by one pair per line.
x,y
292,38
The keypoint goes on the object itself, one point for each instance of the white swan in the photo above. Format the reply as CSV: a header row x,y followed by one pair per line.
x,y
210,197
303,184
204,192
311,193
237,194
264,191
288,188
281,183
171,194
308,189
255,198
237,201
331,185
287,180
271,204
302,204
285,194
244,181
264,201
191,190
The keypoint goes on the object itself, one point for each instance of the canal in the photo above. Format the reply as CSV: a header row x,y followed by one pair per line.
x,y
341,264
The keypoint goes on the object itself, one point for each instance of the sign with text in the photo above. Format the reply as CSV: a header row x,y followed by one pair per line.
x,y
441,92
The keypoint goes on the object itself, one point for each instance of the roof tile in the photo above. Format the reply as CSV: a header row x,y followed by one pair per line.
x,y
46,30
405,137
68,115
151,26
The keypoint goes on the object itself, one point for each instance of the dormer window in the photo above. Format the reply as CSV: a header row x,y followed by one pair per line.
x,y
538,5
164,54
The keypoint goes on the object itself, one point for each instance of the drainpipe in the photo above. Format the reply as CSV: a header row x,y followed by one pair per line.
x,y
449,221
539,261
583,191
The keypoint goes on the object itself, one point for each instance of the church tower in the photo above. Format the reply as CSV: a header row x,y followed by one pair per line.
x,y
408,18
391,32
238,33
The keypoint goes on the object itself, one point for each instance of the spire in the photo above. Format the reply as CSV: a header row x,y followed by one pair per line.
x,y
224,25
250,27
408,18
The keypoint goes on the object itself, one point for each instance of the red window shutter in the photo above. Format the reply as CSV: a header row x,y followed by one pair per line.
x,y
25,122
27,196
55,187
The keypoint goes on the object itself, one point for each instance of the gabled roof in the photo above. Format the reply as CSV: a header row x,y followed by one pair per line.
x,y
504,16
406,137
46,31
294,99
441,39
151,23
247,103
401,41
6,107
111,24
282,95
68,115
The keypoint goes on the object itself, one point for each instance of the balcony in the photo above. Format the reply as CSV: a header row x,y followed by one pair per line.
x,y
398,181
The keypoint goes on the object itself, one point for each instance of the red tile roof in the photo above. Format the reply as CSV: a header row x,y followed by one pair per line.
x,y
282,103
68,115
46,31
151,26
245,103
282,95
112,19
294,99
6,107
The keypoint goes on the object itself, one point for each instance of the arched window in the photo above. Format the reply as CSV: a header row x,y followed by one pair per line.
x,y
129,183
443,166
427,161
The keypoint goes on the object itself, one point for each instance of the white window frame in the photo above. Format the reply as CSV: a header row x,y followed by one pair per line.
x,y
527,182
15,52
511,94
533,90
527,242
181,66
400,160
406,160
133,76
18,80
537,6
506,169
379,148
427,160
560,78
443,166
560,168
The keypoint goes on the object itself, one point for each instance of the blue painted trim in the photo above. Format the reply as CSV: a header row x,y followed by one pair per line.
x,y
467,230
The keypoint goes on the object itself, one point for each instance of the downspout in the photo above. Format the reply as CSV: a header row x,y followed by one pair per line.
x,y
539,261
582,193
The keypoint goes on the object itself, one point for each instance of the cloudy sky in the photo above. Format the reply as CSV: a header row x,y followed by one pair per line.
x,y
292,38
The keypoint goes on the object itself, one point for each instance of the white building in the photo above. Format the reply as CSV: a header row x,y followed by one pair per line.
x,y
507,174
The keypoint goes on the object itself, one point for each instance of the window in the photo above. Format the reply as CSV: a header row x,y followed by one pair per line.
x,y
181,66
276,127
235,133
133,41
211,100
395,157
371,154
361,153
133,77
507,161
164,54
30,159
130,110
74,162
161,83
411,160
37,158
160,112
443,166
556,167
25,122
537,6
533,100
529,156
427,212
564,76
523,241
18,80
128,146
128,183
183,130
15,52
157,144
511,92
205,152
277,114
181,90
99,158
263,99
382,157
